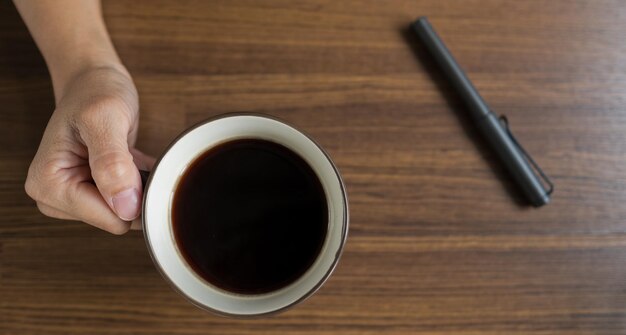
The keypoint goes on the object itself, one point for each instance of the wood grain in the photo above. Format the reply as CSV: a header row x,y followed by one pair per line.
x,y
439,242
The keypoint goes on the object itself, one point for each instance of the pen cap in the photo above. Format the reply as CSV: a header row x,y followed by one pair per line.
x,y
515,159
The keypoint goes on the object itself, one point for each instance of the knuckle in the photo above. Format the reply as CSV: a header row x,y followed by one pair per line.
x,y
40,181
45,210
31,187
118,229
101,110
112,166
34,184
42,209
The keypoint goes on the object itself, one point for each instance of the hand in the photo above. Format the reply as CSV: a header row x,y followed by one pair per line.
x,y
86,167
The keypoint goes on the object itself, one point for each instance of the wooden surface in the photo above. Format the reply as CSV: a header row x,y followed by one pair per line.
x,y
439,242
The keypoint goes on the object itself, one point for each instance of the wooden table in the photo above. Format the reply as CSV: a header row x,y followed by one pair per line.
x,y
439,242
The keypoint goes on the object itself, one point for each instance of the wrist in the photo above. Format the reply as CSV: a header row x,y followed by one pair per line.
x,y
72,37
63,76
87,51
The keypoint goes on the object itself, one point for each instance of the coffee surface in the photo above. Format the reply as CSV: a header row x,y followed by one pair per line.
x,y
249,216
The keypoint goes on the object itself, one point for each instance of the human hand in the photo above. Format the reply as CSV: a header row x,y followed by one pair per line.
x,y
86,167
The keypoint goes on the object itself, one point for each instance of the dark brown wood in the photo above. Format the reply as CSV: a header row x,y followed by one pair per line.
x,y
439,243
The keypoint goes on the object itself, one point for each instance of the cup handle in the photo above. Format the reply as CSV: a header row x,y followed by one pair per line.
x,y
144,178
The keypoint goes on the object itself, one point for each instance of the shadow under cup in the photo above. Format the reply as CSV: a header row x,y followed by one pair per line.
x,y
160,230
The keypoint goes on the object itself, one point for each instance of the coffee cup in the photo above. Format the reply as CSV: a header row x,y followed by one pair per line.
x,y
224,135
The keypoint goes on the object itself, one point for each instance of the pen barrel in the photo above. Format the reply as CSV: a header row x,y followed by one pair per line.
x,y
513,159
498,137
478,108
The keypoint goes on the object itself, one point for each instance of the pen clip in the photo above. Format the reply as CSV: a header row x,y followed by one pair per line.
x,y
545,178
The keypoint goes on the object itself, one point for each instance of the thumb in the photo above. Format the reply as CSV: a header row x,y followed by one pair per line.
x,y
114,172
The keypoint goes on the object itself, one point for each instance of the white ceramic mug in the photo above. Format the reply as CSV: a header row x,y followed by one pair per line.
x,y
157,214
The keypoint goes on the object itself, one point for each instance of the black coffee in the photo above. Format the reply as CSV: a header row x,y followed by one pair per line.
x,y
250,216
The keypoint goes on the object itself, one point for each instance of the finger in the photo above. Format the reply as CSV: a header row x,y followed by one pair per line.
x,y
146,163
87,204
132,135
53,212
136,225
142,160
111,162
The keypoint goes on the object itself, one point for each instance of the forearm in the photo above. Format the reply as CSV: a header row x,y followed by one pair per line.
x,y
71,35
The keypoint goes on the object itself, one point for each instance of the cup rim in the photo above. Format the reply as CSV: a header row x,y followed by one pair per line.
x,y
318,285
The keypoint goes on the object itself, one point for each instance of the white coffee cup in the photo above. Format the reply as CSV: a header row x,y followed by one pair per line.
x,y
157,214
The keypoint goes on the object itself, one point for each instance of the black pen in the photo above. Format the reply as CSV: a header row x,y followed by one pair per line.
x,y
517,162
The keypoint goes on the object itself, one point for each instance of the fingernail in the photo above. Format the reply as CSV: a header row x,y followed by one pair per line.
x,y
126,204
